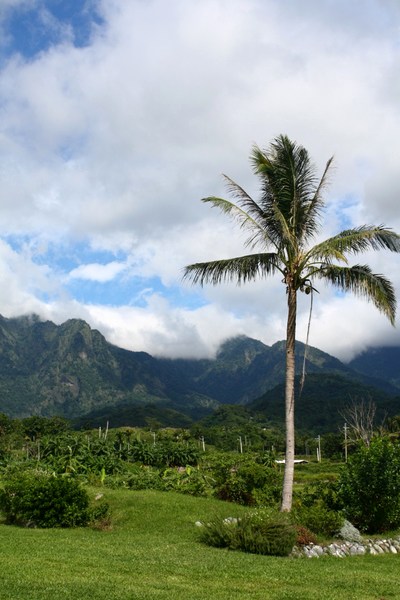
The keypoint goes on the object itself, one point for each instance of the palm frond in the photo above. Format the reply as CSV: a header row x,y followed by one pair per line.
x,y
244,200
360,280
268,216
313,212
355,241
239,269
290,188
275,212
245,220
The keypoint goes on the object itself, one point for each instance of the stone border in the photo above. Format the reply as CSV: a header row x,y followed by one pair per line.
x,y
343,549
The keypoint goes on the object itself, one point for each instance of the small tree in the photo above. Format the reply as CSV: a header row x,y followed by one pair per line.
x,y
369,486
37,500
360,418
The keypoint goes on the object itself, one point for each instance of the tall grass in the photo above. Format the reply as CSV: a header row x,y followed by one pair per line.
x,y
153,552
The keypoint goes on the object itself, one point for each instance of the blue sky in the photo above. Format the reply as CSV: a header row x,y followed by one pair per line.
x,y
35,27
118,116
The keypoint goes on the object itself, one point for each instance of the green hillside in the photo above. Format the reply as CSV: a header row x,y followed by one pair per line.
x,y
379,362
72,371
324,398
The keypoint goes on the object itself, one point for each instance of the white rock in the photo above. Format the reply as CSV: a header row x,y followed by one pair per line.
x,y
230,521
318,550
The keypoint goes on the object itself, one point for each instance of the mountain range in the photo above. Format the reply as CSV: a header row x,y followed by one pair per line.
x,y
72,371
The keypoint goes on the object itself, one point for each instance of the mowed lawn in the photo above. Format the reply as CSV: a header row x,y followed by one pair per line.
x,y
152,552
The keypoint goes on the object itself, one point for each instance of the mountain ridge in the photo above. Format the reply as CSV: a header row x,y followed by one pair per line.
x,y
71,370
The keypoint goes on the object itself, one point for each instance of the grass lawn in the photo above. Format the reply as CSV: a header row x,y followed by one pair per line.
x,y
152,553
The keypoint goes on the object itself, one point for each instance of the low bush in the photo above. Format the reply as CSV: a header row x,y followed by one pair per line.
x,y
218,532
304,536
319,519
186,480
250,484
39,500
273,536
235,489
143,478
324,493
100,516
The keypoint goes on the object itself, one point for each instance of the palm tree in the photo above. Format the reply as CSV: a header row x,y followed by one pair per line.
x,y
281,226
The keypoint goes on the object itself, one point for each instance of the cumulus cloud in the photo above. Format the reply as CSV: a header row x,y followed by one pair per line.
x,y
114,143
97,272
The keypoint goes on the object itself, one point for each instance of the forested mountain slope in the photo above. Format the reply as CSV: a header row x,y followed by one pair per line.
x,y
71,370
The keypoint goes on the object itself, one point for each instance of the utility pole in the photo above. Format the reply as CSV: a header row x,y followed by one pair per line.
x,y
319,449
345,442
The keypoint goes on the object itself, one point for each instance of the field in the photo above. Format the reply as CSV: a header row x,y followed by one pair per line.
x,y
152,552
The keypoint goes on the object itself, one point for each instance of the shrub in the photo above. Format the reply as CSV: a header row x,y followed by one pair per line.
x,y
186,480
250,484
369,486
319,519
251,533
235,489
37,500
324,493
218,532
100,516
304,536
144,478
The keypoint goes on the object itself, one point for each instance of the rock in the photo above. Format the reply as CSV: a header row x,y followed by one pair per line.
x,y
385,546
349,533
318,550
330,549
357,550
343,549
230,521
297,552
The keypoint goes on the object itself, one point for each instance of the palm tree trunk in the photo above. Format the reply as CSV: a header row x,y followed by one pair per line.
x,y
287,493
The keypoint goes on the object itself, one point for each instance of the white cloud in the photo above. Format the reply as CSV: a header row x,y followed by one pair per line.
x,y
24,284
116,143
97,272
164,330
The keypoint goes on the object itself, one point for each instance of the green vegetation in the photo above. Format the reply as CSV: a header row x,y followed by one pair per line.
x,y
271,534
71,371
34,499
319,519
369,486
153,553
142,541
323,401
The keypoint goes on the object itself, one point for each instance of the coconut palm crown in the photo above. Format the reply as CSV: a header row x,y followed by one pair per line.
x,y
281,227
